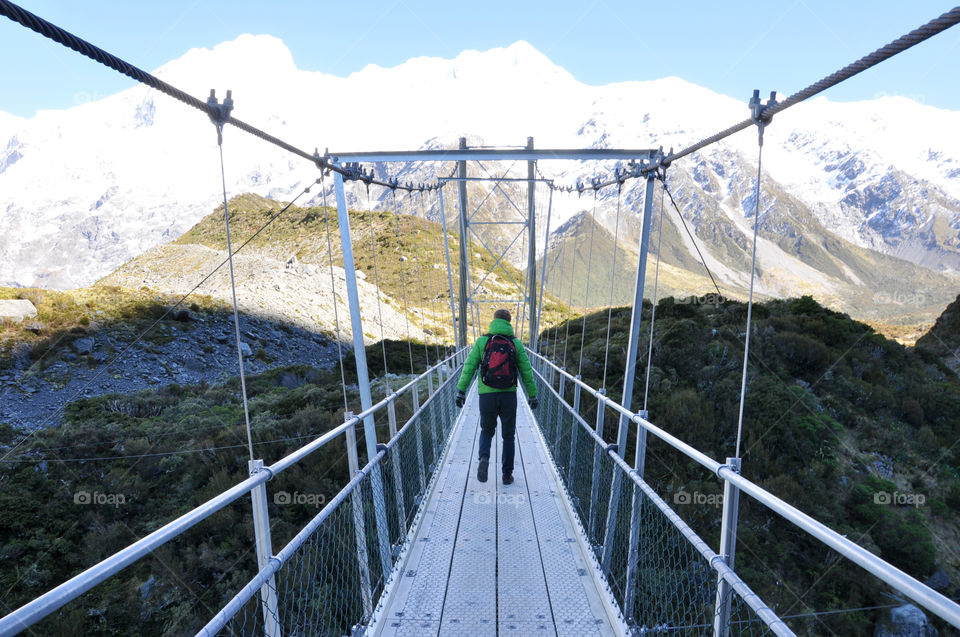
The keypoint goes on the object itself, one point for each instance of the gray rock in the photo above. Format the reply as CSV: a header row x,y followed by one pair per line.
x,y
16,310
84,345
939,581
35,326
905,621
882,466
245,349
147,587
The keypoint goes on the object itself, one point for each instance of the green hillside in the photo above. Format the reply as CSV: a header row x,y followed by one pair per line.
x,y
838,421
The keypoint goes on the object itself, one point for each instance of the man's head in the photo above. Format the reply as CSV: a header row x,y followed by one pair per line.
x,y
502,314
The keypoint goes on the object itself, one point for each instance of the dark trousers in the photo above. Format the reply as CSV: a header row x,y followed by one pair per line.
x,y
504,405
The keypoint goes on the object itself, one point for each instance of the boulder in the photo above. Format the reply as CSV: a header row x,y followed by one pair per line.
x,y
905,621
16,310
245,349
83,345
939,581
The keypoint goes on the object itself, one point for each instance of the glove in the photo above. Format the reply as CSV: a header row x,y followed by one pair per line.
x,y
534,403
461,398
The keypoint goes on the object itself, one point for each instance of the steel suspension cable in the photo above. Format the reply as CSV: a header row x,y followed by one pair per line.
x,y
376,278
423,319
522,307
918,35
653,308
753,267
149,328
543,266
556,326
613,279
586,290
67,39
233,291
403,282
566,338
333,291
692,239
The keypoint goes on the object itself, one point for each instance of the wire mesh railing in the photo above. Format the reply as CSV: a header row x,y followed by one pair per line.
x,y
664,578
330,577
624,550
335,568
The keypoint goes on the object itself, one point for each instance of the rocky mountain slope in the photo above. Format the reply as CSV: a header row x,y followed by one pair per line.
x,y
107,340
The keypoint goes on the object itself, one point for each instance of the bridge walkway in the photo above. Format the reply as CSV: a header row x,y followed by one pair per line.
x,y
495,559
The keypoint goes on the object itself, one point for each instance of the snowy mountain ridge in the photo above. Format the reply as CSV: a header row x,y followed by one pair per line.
x,y
90,187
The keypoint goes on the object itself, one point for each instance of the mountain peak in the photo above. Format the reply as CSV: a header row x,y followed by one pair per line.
x,y
520,59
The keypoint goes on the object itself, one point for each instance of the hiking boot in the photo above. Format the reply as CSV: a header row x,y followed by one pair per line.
x,y
482,469
508,478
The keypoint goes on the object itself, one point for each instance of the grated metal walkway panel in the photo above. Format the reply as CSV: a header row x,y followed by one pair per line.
x,y
490,559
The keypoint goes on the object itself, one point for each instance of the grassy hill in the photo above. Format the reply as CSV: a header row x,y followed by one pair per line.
x,y
404,253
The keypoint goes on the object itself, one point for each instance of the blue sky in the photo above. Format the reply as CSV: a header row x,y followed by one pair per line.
x,y
729,47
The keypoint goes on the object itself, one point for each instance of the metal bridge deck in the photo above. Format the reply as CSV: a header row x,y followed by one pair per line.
x,y
491,559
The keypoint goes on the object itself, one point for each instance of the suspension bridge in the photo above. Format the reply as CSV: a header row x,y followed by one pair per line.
x,y
413,544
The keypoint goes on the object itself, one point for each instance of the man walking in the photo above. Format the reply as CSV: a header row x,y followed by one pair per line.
x,y
500,358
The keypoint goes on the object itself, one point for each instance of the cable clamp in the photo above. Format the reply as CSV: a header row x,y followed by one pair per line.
x,y
734,464
612,447
321,162
219,113
759,112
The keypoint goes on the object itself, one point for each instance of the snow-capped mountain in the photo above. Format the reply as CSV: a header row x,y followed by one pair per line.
x,y
846,187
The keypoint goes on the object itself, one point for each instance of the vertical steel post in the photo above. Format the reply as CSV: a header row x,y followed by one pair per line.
x,y
464,223
363,378
573,435
359,526
562,388
728,545
635,320
418,428
395,461
261,532
633,553
446,248
629,373
595,483
532,250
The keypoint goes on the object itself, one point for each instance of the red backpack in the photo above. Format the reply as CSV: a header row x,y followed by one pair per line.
x,y
498,369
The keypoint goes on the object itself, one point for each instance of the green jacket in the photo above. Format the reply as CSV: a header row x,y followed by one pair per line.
x,y
497,326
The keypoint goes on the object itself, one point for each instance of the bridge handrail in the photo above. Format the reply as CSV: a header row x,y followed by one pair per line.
x,y
220,620
37,609
715,561
930,599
